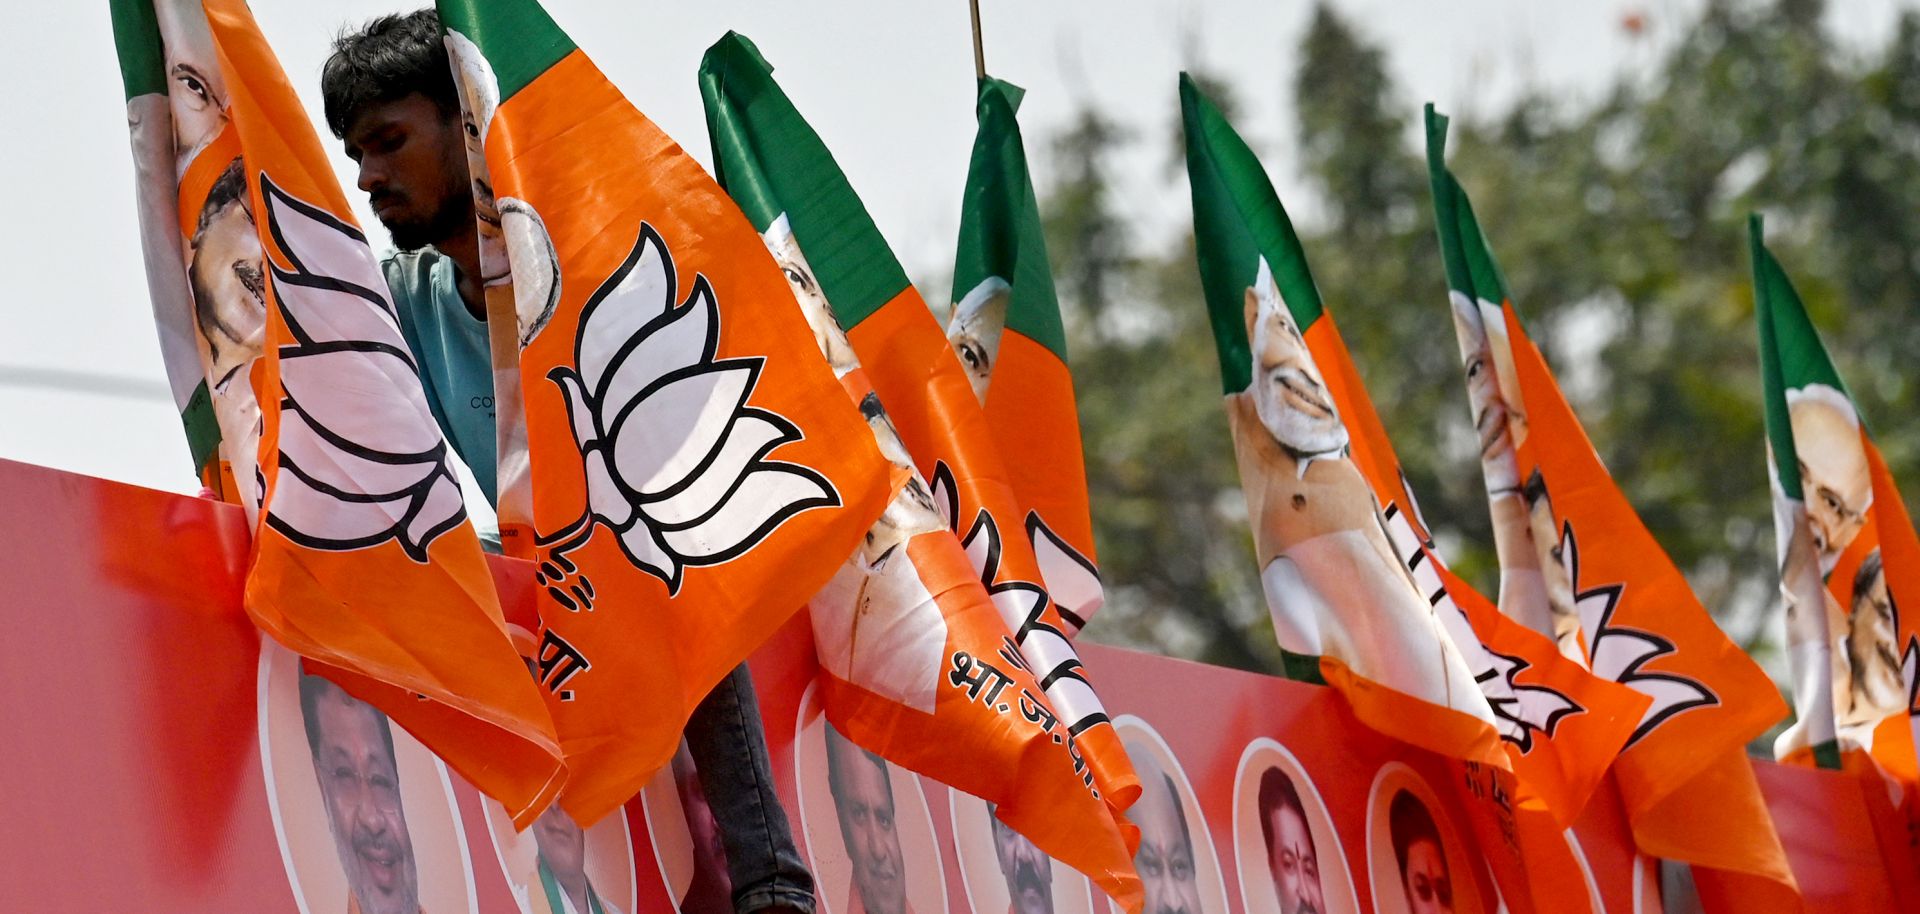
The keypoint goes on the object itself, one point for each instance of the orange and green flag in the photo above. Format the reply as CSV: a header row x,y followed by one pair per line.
x,y
1847,550
1612,593
185,159
1360,597
1048,757
363,560
695,469
1006,329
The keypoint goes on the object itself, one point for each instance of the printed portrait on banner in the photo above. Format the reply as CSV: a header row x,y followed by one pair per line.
x,y
1418,861
1176,860
1003,871
865,825
365,815
1290,860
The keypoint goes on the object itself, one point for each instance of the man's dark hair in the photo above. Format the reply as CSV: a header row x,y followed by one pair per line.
x,y
386,60
1276,793
1408,821
1870,568
1535,489
836,778
312,690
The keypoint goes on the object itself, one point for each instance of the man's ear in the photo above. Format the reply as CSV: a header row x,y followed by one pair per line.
x,y
1253,313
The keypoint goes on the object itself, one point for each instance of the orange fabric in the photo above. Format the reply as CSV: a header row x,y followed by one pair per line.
x,y
571,146
1894,749
928,396
997,740
1030,410
388,627
1558,769
1685,781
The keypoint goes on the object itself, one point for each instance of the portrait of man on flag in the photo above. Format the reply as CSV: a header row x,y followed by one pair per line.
x,y
1321,541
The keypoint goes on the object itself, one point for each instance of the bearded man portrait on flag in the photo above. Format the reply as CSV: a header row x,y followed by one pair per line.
x,y
390,97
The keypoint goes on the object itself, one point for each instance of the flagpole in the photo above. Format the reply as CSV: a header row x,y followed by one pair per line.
x,y
979,52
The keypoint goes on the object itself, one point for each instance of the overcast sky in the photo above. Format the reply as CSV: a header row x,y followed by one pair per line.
x,y
889,86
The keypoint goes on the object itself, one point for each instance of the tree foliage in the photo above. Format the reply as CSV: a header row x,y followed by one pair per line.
x,y
1620,224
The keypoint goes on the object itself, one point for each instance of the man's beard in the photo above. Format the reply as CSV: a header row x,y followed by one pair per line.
x,y
454,215
1028,878
1300,433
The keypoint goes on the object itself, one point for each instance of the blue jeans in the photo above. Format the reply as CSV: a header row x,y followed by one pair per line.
x,y
729,749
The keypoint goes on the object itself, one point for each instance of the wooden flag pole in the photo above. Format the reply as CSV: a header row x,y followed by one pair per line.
x,y
979,51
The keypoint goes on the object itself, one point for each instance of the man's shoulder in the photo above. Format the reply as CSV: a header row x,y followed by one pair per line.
x,y
412,269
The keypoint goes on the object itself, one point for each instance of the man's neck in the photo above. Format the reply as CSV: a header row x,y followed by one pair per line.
x,y
464,249
577,891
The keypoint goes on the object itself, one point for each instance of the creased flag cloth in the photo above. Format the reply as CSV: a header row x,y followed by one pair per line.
x,y
1007,330
1066,787
1846,548
363,560
696,472
1688,788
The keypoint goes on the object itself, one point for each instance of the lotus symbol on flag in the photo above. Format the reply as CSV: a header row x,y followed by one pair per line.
x,y
1621,653
361,461
675,460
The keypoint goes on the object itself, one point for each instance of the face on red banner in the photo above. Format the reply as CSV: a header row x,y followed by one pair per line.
x,y
862,792
1029,873
1424,874
353,757
1291,856
1165,859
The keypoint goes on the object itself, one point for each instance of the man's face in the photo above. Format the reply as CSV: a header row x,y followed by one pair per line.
x,y
1872,633
1165,858
413,166
827,334
1028,872
1288,392
975,335
865,807
227,266
1483,385
1833,474
360,787
563,846
1295,865
196,95
1429,888
1553,566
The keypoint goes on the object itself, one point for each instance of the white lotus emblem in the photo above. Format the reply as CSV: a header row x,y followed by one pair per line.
x,y
675,458
1621,654
361,459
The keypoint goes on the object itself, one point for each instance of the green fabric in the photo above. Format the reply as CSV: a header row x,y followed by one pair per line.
x,y
1000,231
520,40
203,429
1791,356
143,56
1237,218
1471,269
552,887
455,360
771,162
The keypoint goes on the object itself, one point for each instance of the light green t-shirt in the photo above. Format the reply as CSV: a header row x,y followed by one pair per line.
x,y
456,365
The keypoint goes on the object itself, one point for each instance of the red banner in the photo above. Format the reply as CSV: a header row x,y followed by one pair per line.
x,y
162,758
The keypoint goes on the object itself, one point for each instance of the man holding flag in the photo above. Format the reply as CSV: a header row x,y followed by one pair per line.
x,y
363,560
390,96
